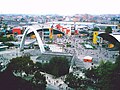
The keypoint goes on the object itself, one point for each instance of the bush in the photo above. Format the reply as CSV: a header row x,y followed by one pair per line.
x,y
5,39
9,44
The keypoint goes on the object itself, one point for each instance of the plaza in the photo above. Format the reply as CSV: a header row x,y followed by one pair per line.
x,y
74,46
98,54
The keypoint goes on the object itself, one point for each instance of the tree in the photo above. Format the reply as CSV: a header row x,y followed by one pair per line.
x,y
95,29
5,39
57,66
115,76
5,26
17,65
10,82
38,66
9,44
72,81
76,82
39,80
117,44
21,64
10,38
106,76
108,30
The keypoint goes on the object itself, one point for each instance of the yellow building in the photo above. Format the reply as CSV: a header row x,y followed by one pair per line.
x,y
51,33
95,34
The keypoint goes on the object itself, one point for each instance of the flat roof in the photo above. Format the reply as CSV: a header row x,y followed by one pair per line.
x,y
61,22
116,35
105,25
113,37
1,42
3,47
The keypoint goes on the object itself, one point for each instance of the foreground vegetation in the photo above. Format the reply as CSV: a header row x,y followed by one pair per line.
x,y
58,66
5,38
104,77
23,74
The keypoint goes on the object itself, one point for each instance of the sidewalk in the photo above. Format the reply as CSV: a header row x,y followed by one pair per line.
x,y
55,83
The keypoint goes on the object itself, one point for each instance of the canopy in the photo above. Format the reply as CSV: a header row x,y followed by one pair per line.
x,y
87,59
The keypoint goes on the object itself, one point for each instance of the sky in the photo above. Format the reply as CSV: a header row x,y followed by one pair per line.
x,y
62,7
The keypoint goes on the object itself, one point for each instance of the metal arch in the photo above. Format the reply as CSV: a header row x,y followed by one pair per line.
x,y
109,37
41,46
59,31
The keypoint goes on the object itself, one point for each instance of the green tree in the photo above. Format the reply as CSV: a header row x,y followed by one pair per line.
x,y
9,44
39,80
105,76
60,66
10,38
72,81
5,26
108,30
76,82
21,64
104,72
5,39
46,67
38,66
118,46
57,66
115,76
95,29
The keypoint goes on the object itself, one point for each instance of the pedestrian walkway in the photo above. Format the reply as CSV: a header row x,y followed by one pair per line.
x,y
55,83
80,51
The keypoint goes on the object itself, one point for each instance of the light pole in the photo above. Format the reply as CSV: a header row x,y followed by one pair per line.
x,y
42,33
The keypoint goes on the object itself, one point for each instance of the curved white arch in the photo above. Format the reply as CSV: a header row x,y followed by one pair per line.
x,y
41,46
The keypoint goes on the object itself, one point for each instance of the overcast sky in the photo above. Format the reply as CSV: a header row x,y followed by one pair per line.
x,y
62,7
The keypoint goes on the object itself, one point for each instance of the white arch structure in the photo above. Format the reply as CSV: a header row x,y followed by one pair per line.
x,y
31,28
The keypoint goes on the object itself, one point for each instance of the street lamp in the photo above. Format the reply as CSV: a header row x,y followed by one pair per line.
x,y
42,33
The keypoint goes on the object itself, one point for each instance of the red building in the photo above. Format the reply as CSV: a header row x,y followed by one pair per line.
x,y
76,32
16,30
